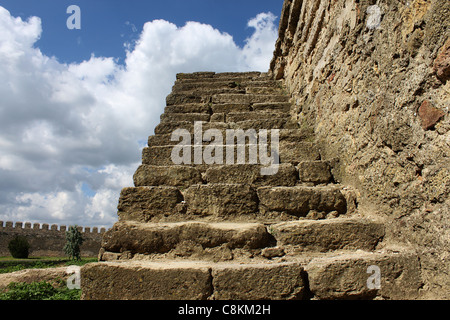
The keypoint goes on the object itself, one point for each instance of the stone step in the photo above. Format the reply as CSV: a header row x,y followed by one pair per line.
x,y
225,241
145,204
327,235
192,280
213,76
249,98
221,200
273,106
315,172
168,127
282,175
390,275
254,115
222,98
233,202
174,176
184,117
189,108
230,107
229,117
230,88
326,277
197,239
231,84
285,136
219,154
301,201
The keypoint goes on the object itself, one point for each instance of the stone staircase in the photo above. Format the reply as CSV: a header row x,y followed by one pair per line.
x,y
220,229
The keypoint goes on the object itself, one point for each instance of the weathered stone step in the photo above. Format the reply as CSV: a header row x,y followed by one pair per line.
x,y
327,277
285,136
189,108
283,175
211,76
229,117
206,156
365,275
232,84
144,204
249,98
241,154
254,115
221,200
239,98
330,234
169,127
188,117
232,202
273,106
300,201
224,108
174,176
192,280
159,238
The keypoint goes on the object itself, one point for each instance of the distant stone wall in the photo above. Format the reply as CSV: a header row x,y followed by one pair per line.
x,y
46,240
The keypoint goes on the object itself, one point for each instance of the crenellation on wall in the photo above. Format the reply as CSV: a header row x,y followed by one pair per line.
x,y
48,240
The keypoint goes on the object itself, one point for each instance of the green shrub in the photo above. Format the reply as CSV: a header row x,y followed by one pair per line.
x,y
38,291
19,247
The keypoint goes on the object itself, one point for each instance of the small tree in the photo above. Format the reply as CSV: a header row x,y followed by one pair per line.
x,y
74,240
19,247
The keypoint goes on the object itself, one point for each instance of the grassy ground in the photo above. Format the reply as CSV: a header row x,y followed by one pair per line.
x,y
43,290
10,264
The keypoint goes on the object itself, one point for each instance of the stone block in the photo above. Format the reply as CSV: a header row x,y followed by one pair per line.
x,y
328,235
145,281
144,203
188,117
189,108
284,107
300,200
253,115
296,152
259,282
230,107
348,276
248,98
314,171
175,176
221,200
286,175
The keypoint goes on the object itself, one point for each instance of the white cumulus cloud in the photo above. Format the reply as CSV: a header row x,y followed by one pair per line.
x,y
65,126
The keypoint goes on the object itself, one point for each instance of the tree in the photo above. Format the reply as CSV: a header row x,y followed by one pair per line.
x,y
74,240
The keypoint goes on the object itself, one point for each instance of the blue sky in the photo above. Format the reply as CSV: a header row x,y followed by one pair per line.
x,y
107,24
78,105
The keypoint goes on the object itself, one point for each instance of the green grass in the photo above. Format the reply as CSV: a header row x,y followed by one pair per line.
x,y
9,264
42,290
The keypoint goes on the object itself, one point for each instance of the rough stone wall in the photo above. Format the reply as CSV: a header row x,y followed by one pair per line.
x,y
48,240
372,78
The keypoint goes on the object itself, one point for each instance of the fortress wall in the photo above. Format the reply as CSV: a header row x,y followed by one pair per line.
x,y
48,240
373,79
